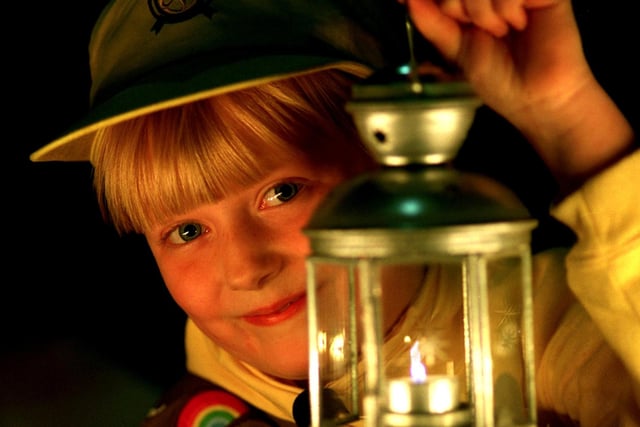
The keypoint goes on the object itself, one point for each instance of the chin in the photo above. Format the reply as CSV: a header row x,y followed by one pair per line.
x,y
293,375
288,371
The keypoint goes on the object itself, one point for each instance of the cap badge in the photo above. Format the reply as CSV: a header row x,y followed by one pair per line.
x,y
174,11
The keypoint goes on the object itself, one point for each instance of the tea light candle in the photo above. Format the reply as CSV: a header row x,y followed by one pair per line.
x,y
434,395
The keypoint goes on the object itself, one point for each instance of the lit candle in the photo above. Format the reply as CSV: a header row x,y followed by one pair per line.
x,y
422,393
434,395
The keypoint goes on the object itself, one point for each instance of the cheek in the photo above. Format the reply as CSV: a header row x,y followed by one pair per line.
x,y
287,238
189,282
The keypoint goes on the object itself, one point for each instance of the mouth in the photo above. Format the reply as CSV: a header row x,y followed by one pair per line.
x,y
278,312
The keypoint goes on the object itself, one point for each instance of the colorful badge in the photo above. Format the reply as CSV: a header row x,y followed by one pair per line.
x,y
212,408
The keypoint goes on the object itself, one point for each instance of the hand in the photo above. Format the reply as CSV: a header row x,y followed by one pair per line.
x,y
516,53
525,60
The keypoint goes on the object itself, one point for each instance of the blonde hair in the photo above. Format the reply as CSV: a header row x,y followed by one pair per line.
x,y
162,164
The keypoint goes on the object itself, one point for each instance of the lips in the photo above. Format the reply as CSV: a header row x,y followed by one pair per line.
x,y
278,312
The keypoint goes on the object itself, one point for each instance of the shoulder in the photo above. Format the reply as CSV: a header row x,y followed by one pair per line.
x,y
194,401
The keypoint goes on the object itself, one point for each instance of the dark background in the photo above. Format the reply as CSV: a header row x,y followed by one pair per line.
x,y
88,333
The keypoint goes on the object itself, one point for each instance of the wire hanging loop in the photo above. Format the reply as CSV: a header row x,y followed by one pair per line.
x,y
416,84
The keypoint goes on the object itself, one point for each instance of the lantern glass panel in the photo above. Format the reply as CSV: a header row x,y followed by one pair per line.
x,y
333,342
428,338
507,345
500,338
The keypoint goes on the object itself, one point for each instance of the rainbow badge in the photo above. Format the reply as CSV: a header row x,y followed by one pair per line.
x,y
212,408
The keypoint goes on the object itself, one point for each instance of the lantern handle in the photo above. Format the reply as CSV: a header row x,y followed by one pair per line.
x,y
413,63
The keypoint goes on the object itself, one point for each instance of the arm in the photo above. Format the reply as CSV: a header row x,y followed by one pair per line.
x,y
527,63
603,268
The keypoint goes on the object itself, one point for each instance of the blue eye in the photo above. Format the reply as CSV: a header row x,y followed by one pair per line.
x,y
280,193
185,233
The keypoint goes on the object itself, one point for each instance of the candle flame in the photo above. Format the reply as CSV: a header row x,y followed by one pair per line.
x,y
418,369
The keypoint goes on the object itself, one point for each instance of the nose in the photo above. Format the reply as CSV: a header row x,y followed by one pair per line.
x,y
249,259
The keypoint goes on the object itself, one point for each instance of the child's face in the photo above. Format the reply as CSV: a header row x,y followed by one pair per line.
x,y
237,266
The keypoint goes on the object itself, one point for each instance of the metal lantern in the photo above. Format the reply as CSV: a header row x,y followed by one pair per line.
x,y
419,277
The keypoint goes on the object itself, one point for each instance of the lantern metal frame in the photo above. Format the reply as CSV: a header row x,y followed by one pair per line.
x,y
417,207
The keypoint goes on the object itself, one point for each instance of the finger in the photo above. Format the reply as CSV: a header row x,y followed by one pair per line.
x,y
455,9
512,11
440,29
483,15
535,4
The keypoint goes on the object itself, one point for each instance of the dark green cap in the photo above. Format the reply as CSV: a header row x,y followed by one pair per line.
x,y
150,55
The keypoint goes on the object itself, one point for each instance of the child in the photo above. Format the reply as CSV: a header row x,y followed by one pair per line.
x,y
222,177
